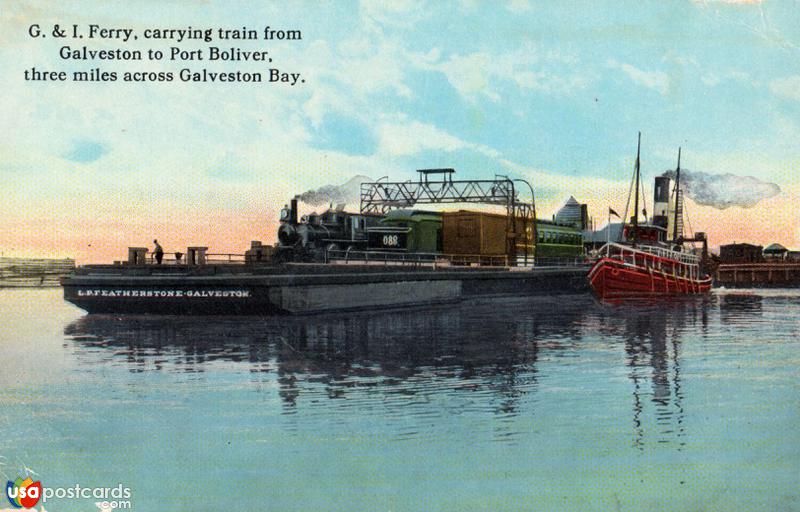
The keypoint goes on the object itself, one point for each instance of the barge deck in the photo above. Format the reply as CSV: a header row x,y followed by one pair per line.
x,y
297,288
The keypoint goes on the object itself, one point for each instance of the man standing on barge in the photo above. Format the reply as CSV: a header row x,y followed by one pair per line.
x,y
159,252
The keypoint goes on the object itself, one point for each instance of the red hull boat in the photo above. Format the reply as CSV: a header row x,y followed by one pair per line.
x,y
649,265
623,271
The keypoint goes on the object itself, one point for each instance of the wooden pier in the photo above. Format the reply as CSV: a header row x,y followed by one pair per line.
x,y
33,273
758,275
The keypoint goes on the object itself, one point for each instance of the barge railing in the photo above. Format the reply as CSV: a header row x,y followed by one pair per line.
x,y
171,258
350,256
577,261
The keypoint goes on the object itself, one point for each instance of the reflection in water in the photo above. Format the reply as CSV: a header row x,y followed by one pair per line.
x,y
648,341
740,307
487,357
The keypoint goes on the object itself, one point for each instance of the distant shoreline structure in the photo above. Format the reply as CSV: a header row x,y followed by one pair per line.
x,y
34,272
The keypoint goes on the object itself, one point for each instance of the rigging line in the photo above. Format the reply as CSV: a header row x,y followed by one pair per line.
x,y
685,215
644,197
673,197
628,202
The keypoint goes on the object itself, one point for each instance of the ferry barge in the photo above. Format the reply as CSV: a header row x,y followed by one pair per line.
x,y
388,254
299,288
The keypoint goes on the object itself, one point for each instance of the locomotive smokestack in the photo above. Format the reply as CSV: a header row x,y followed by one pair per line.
x,y
293,211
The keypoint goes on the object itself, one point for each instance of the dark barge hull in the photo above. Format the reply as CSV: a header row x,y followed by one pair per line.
x,y
300,289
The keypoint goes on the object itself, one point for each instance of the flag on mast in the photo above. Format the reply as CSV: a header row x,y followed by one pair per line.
x,y
612,212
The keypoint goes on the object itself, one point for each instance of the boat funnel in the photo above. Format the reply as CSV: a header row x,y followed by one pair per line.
x,y
661,202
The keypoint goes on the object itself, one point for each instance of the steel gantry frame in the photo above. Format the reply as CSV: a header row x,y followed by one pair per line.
x,y
437,186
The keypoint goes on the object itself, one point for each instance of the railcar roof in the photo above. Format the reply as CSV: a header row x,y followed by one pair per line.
x,y
413,215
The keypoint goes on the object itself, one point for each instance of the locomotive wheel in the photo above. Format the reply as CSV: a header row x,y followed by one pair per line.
x,y
283,256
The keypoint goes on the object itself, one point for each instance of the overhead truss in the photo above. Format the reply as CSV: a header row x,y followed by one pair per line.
x,y
437,186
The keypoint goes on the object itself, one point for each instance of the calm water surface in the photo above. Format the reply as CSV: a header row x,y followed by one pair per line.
x,y
530,404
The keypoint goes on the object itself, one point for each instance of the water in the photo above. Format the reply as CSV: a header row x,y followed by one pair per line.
x,y
530,404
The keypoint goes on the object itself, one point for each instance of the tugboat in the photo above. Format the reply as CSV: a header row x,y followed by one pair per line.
x,y
646,264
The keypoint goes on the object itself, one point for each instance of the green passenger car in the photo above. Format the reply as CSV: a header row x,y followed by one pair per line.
x,y
557,241
407,230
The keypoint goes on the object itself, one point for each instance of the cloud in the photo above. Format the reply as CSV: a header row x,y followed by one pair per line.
x,y
727,1
85,151
710,79
397,13
551,83
656,80
722,191
355,76
708,76
472,75
484,74
403,138
519,6
788,88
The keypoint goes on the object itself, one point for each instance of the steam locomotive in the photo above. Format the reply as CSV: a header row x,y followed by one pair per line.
x,y
307,239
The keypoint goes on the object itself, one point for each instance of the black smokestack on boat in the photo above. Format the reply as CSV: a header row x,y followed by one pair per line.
x,y
293,211
661,201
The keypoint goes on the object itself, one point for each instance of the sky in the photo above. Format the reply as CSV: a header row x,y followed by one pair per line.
x,y
551,92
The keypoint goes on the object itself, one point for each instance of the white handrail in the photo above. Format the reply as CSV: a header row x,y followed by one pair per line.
x,y
661,252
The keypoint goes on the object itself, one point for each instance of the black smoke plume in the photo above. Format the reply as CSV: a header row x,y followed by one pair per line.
x,y
348,193
724,190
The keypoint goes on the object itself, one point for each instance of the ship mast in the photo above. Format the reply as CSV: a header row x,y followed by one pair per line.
x,y
636,200
678,211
